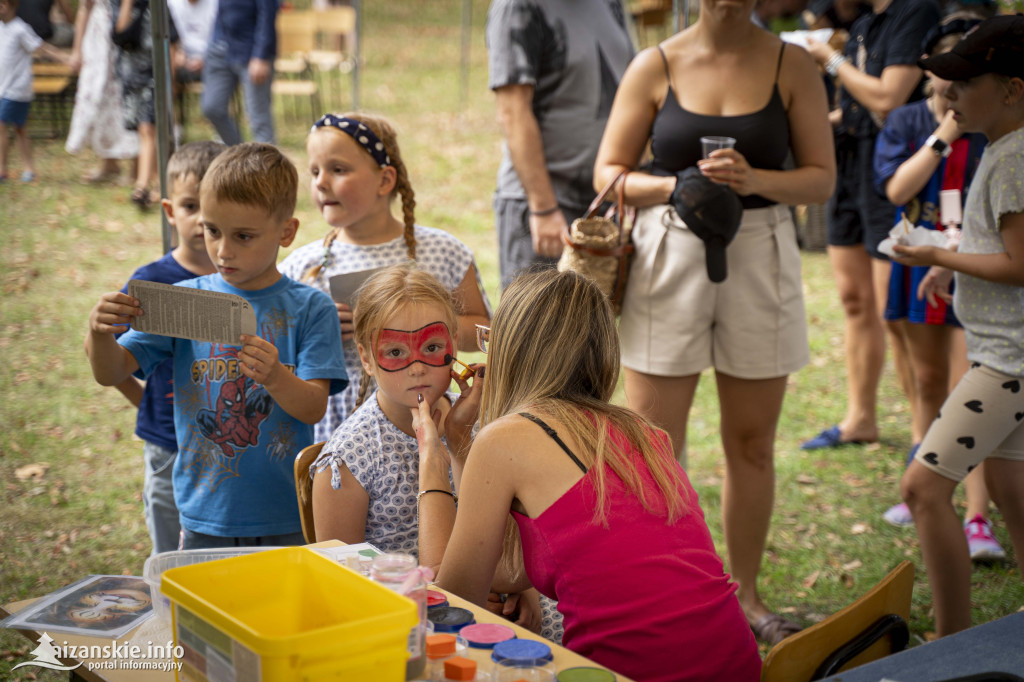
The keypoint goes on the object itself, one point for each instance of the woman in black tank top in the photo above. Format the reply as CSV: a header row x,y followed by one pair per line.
x,y
722,76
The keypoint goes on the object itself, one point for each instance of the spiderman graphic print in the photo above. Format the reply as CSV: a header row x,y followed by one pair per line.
x,y
233,476
236,420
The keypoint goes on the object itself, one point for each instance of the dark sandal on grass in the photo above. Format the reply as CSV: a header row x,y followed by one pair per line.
x,y
829,438
772,628
141,198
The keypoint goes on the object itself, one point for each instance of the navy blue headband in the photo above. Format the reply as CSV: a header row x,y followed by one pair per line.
x,y
359,132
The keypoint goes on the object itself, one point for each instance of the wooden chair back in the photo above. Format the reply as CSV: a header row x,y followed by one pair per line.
x,y
870,628
293,73
296,32
335,54
333,23
304,488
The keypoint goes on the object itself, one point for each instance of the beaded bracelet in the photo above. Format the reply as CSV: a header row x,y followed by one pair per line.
x,y
834,62
436,490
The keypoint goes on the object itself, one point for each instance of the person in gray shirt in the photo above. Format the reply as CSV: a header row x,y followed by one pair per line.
x,y
554,68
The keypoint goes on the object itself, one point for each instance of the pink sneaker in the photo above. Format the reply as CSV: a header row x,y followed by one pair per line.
x,y
980,541
899,515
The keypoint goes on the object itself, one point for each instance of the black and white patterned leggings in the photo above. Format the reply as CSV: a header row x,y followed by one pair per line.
x,y
983,417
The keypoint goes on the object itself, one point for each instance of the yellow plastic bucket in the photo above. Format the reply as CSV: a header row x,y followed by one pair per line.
x,y
286,614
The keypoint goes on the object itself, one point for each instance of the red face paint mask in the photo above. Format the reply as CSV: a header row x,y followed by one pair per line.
x,y
430,345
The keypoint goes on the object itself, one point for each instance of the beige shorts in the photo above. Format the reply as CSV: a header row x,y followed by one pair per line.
x,y
677,322
983,417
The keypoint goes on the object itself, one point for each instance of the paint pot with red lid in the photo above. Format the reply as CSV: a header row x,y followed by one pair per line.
x,y
436,599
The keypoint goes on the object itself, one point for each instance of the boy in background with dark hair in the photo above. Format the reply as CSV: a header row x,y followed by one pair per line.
x,y
241,411
154,423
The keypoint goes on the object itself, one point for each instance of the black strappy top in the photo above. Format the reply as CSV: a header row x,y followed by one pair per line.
x,y
554,436
762,136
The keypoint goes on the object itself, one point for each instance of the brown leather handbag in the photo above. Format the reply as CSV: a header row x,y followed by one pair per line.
x,y
599,247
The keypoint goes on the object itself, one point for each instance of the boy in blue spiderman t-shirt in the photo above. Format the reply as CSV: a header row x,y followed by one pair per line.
x,y
241,412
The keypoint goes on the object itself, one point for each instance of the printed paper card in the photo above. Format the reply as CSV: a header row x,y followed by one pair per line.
x,y
211,316
345,285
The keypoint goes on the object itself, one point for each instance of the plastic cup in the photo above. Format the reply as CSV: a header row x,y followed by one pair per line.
x,y
712,142
950,209
544,673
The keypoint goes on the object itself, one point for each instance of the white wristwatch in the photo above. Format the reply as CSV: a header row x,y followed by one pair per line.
x,y
938,146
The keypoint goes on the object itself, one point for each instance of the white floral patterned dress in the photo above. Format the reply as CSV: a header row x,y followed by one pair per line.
x,y
96,119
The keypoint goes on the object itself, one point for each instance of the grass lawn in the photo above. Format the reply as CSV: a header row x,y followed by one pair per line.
x,y
66,243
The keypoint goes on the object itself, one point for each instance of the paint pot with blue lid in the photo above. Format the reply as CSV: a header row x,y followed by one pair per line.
x,y
586,674
450,618
522,659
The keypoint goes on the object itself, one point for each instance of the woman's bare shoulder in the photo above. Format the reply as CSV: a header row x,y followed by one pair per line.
x,y
507,430
647,63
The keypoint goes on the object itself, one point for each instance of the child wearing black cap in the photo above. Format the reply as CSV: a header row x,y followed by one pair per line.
x,y
983,418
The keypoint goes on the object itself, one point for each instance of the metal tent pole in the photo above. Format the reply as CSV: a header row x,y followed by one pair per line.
x,y
162,101
467,30
358,53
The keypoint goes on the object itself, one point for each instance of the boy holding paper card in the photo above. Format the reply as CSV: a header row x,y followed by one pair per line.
x,y
241,411
154,423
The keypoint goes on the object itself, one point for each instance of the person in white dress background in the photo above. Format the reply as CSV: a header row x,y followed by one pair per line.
x,y
96,120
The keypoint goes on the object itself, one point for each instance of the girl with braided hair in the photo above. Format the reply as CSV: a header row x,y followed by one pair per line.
x,y
357,171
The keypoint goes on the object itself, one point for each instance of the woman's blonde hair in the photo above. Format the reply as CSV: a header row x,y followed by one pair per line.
x,y
386,133
385,294
554,350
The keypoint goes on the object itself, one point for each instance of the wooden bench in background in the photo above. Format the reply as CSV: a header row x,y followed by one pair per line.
x,y
53,89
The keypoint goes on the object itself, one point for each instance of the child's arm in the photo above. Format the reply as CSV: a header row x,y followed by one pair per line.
x,y
436,510
914,173
111,363
1002,268
339,514
306,400
54,53
131,388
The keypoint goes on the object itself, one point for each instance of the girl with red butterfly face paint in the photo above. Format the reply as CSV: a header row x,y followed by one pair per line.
x,y
366,480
